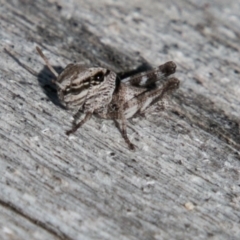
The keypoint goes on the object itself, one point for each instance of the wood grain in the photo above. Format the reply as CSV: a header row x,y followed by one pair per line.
x,y
182,182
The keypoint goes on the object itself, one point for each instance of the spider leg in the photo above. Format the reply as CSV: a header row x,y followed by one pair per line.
x,y
76,126
123,131
147,79
143,101
76,117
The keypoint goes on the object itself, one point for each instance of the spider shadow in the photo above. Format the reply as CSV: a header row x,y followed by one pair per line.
x,y
142,68
44,77
45,80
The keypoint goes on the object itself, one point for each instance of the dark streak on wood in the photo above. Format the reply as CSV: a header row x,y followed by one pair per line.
x,y
38,223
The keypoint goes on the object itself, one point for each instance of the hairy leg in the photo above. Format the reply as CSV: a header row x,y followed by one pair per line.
x,y
146,79
76,126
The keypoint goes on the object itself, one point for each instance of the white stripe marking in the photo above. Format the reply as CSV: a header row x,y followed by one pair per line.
x,y
143,80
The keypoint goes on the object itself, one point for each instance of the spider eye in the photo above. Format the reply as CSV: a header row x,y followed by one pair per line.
x,y
99,77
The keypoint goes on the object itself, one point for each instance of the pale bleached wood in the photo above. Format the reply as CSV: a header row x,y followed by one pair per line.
x,y
183,180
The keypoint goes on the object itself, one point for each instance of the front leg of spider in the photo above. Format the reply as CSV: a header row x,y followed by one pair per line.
x,y
78,125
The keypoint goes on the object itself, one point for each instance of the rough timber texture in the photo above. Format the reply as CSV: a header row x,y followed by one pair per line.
x,y
183,182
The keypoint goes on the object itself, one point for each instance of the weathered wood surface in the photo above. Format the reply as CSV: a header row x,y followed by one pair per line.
x,y
182,182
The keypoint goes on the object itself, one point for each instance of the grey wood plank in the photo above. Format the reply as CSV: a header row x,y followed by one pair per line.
x,y
182,182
